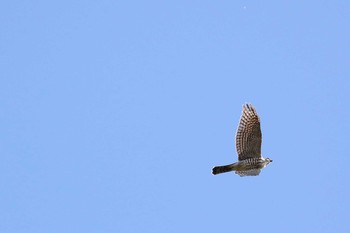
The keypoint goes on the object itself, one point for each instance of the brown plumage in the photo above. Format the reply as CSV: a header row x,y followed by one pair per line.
x,y
248,137
248,145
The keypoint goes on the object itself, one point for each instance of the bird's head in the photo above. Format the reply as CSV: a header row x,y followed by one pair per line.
x,y
268,160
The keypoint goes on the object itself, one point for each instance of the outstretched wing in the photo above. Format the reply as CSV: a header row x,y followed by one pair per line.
x,y
248,137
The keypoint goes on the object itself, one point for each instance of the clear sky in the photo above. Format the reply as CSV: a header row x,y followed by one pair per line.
x,y
114,112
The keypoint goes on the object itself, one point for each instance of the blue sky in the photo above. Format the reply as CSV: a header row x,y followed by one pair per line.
x,y
114,112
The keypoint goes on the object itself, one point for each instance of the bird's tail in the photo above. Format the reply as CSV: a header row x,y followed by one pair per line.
x,y
222,169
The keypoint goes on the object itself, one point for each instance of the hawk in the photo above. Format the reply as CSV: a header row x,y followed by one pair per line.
x,y
248,145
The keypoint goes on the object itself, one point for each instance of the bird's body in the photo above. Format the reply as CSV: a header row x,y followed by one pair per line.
x,y
248,144
247,167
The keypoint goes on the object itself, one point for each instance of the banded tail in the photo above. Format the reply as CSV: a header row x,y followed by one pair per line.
x,y
221,169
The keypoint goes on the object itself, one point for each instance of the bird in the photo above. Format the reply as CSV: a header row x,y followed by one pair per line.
x,y
248,146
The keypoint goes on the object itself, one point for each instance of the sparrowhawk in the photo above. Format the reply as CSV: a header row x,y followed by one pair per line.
x,y
248,145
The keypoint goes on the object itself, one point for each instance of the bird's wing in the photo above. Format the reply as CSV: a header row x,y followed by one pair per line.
x,y
248,137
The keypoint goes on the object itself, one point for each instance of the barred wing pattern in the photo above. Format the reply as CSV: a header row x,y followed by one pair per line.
x,y
248,137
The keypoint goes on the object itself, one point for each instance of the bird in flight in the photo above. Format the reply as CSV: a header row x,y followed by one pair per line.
x,y
248,145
